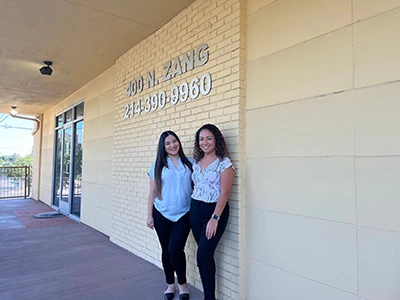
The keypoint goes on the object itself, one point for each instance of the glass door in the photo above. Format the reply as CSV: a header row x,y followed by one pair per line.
x,y
67,185
65,203
57,171
77,172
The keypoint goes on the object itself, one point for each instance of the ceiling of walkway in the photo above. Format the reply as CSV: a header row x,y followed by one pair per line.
x,y
82,38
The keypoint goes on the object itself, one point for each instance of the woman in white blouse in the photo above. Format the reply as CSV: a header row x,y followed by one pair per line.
x,y
212,176
168,209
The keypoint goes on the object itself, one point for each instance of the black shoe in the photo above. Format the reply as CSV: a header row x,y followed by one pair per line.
x,y
169,296
184,296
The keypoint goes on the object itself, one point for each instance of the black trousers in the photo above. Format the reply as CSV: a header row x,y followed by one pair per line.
x,y
172,237
200,214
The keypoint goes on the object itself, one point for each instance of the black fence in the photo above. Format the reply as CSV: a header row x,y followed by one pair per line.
x,y
15,182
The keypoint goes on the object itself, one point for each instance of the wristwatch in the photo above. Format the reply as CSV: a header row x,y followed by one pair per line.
x,y
214,216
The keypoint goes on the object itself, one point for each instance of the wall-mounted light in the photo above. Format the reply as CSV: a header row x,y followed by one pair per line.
x,y
46,70
13,111
14,114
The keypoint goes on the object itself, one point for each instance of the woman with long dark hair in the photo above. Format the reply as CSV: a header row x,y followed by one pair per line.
x,y
212,176
168,209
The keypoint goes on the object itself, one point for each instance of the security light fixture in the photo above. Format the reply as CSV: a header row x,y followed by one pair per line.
x,y
46,70
14,114
13,111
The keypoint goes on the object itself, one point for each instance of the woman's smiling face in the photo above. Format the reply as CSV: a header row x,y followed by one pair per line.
x,y
207,141
171,146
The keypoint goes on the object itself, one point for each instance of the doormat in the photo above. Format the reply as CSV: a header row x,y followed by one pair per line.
x,y
49,215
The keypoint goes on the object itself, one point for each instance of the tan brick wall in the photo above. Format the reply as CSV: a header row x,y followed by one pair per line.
x,y
216,23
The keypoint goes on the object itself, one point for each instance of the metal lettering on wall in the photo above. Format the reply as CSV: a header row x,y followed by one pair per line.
x,y
178,93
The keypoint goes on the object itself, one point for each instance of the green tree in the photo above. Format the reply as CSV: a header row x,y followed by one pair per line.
x,y
15,160
23,161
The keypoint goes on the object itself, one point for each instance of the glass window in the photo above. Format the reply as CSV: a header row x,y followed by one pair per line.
x,y
79,111
68,116
59,120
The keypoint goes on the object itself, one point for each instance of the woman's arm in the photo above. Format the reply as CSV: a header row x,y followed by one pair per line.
x,y
150,201
226,185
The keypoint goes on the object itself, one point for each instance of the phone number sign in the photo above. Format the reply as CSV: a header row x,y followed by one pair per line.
x,y
190,89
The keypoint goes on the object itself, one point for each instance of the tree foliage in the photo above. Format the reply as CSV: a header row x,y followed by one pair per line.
x,y
15,160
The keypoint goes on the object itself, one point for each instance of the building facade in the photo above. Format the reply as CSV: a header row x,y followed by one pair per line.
x,y
306,94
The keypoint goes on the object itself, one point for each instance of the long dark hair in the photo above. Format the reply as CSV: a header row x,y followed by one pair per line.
x,y
161,160
221,150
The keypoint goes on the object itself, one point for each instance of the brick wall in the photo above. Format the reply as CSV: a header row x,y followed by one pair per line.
x,y
217,24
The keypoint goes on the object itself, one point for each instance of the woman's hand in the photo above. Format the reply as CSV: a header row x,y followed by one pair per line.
x,y
211,228
150,203
150,222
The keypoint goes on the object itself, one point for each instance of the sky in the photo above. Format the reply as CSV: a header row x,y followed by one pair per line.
x,y
15,135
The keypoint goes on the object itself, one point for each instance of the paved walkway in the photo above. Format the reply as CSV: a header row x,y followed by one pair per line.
x,y
62,259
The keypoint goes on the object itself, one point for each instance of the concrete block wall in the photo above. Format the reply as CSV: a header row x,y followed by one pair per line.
x,y
98,96
218,24
37,144
47,155
97,152
322,150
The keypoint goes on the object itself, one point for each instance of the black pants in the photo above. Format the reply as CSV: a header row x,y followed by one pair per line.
x,y
200,214
172,237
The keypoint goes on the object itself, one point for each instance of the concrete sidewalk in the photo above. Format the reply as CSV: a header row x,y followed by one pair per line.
x,y
62,259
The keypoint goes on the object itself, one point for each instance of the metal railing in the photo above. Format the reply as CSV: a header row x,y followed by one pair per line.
x,y
15,182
